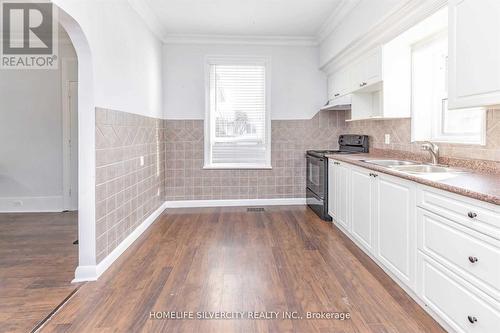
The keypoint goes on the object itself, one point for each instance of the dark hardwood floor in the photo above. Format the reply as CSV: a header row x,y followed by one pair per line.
x,y
37,263
228,259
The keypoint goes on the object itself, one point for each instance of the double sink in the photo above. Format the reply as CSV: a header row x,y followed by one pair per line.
x,y
414,167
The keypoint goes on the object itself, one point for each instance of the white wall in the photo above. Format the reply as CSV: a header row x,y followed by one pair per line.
x,y
298,87
31,136
357,23
126,55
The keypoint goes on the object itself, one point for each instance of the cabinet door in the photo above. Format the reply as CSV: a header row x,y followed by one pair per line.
x,y
474,53
396,227
368,70
362,200
343,173
332,189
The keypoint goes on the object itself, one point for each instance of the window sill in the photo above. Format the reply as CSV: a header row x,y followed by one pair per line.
x,y
237,167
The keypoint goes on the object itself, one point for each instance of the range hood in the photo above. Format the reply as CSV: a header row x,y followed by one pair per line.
x,y
339,103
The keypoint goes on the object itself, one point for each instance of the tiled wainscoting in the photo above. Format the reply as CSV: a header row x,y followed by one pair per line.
x,y
126,191
187,180
400,131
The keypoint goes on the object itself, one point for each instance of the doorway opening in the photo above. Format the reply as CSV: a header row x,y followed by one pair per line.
x,y
39,121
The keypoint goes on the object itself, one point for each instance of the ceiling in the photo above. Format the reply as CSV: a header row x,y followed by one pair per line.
x,y
247,18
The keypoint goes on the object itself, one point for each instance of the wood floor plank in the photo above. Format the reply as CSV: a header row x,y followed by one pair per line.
x,y
229,259
37,263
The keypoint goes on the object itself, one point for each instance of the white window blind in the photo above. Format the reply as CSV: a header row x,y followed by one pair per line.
x,y
237,116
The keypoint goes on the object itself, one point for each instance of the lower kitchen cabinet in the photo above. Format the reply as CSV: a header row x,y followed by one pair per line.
x,y
338,192
444,249
455,300
363,203
395,227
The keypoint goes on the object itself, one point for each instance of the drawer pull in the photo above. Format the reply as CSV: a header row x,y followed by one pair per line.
x,y
472,215
473,259
472,319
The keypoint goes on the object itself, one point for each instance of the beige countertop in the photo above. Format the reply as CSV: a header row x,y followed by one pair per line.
x,y
480,186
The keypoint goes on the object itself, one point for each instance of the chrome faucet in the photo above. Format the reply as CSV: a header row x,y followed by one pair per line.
x,y
433,149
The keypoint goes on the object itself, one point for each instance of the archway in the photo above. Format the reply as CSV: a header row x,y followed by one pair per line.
x,y
86,149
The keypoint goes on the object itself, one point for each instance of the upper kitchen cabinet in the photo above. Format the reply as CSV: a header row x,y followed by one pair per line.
x,y
367,70
474,53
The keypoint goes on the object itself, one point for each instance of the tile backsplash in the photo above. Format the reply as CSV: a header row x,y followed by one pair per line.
x,y
187,180
130,174
400,131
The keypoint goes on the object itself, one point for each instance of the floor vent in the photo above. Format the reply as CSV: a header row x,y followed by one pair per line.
x,y
255,209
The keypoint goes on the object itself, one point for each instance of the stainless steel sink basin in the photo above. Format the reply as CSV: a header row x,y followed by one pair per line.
x,y
389,163
428,169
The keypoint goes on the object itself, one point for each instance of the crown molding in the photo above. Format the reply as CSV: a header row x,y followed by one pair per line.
x,y
240,39
393,24
336,18
149,17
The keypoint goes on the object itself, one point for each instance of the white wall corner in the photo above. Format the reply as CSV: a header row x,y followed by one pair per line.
x,y
338,14
93,272
149,17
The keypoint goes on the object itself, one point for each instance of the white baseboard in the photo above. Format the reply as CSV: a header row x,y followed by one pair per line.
x,y
234,203
31,204
92,273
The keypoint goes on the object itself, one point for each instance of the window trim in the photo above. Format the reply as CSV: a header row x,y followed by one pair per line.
x,y
436,132
236,60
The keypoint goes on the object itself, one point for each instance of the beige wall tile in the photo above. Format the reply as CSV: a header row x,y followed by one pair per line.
x,y
126,192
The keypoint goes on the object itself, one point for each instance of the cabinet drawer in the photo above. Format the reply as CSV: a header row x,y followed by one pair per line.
x,y
461,250
458,303
482,217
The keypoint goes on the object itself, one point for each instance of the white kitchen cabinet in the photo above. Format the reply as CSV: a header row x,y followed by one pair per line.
x,y
362,191
395,226
454,300
474,53
367,70
340,83
338,192
332,189
442,248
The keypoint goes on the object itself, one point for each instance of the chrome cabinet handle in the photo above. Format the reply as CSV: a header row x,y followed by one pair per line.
x,y
472,215
472,319
336,95
473,259
362,84
374,175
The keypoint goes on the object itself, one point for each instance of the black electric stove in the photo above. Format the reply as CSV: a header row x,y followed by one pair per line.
x,y
317,171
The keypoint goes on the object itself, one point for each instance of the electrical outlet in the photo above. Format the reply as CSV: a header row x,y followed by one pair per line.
x,y
387,139
142,160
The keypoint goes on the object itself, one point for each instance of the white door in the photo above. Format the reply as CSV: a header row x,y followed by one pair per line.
x,y
474,53
362,201
396,227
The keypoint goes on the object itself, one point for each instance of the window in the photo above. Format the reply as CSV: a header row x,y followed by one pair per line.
x,y
237,127
432,120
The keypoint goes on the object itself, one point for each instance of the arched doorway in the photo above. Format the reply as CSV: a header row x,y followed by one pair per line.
x,y
19,282
86,149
